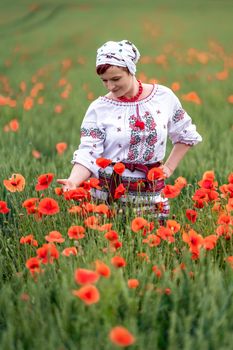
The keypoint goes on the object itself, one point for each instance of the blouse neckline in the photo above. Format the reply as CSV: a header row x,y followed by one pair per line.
x,y
143,100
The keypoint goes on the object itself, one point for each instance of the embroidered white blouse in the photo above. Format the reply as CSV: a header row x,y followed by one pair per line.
x,y
108,130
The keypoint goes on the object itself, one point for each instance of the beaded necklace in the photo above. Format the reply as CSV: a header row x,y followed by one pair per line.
x,y
134,98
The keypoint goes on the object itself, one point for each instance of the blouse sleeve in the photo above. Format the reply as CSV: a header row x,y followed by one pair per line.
x,y
180,126
92,142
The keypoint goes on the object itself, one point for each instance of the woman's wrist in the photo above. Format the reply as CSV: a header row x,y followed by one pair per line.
x,y
73,181
171,168
168,171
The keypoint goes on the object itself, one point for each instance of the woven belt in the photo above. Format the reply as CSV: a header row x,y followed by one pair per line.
x,y
141,185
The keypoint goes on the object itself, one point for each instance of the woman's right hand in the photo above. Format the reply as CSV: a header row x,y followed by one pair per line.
x,y
67,184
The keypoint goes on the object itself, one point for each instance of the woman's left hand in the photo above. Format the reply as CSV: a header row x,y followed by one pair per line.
x,y
166,170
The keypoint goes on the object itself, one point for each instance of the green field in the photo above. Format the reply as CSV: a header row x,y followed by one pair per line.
x,y
47,80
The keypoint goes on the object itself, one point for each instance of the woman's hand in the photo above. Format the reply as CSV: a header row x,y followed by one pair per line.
x,y
67,184
178,152
78,175
167,171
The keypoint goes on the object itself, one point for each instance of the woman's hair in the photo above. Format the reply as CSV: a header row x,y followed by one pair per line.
x,y
102,68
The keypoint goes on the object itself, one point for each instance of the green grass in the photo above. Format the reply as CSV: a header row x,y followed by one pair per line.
x,y
35,40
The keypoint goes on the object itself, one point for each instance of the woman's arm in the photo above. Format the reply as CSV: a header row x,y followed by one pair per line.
x,y
178,152
79,173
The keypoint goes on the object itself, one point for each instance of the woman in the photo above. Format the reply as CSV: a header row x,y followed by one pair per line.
x,y
130,125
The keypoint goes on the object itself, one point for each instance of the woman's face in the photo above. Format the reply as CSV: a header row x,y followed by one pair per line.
x,y
117,81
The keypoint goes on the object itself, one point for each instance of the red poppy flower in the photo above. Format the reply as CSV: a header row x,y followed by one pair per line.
x,y
4,100
102,209
121,336
133,283
29,239
155,174
171,191
180,182
15,183
103,162
213,195
229,205
193,239
227,190
102,269
70,251
157,271
167,291
152,240
88,207
173,225
175,86
138,224
216,207
85,276
48,206
28,103
36,154
192,97
230,99
209,242
58,191
3,208
89,294
224,230
44,181
92,222
119,191
58,109
78,194
201,197
76,232
54,237
94,183
33,263
47,253
119,168
30,205
118,261
166,234
91,183
14,125
61,147
208,180
75,209
222,75
116,244
111,235
224,219
105,227
229,260
25,297
191,215
230,178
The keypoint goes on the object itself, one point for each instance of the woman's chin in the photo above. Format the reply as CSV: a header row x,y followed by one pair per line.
x,y
116,94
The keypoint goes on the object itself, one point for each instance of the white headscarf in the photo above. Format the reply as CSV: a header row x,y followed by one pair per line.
x,y
118,53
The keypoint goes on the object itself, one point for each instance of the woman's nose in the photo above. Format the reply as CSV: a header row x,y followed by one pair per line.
x,y
110,85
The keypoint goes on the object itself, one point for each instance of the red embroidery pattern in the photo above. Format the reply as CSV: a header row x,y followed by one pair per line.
x,y
95,133
143,140
179,115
